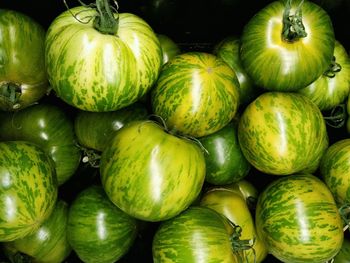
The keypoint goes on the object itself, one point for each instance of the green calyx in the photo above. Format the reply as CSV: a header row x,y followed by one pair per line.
x,y
10,94
293,27
105,22
333,69
239,246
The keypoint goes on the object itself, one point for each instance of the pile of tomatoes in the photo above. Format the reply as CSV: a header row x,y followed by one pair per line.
x,y
119,144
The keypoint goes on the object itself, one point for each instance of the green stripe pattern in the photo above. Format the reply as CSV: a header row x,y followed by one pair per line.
x,y
48,244
282,133
279,65
49,127
150,174
100,72
22,58
330,91
28,189
298,219
196,94
98,231
199,234
335,170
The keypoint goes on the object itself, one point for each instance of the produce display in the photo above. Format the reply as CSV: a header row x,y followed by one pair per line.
x,y
130,131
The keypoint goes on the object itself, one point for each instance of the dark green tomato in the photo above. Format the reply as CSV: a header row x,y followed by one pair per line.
x,y
199,234
333,86
95,70
335,170
48,244
94,130
283,133
280,60
151,174
298,219
49,127
196,94
225,162
228,49
28,189
23,79
97,230
169,48
344,253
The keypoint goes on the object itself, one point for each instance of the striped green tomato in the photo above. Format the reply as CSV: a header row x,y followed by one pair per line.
x,y
196,94
28,189
99,71
97,230
151,174
228,49
297,218
48,126
48,244
283,133
284,49
233,206
225,162
23,78
333,86
335,170
199,234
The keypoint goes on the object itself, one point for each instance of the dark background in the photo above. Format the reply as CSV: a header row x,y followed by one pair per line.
x,y
193,25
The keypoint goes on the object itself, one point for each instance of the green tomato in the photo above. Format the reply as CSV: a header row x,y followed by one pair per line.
x,y
23,78
228,49
335,170
199,234
99,71
285,49
94,130
333,86
298,219
97,230
283,133
225,162
28,189
48,126
151,174
169,48
344,254
48,244
196,94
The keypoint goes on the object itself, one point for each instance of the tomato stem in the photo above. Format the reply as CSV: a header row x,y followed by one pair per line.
x,y
344,211
10,93
105,22
333,69
337,116
293,27
240,246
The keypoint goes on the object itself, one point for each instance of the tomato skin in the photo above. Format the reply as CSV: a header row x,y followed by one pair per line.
x,y
276,64
198,234
335,170
169,48
101,72
97,230
150,174
283,133
228,49
28,189
232,205
94,130
330,91
196,94
19,67
297,218
49,242
48,126
225,162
